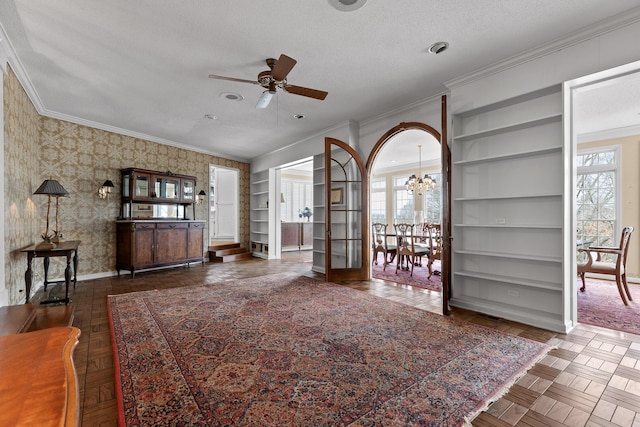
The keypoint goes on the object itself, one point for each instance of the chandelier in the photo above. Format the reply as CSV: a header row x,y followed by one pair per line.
x,y
417,184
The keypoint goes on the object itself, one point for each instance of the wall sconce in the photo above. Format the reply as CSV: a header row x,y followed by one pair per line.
x,y
281,198
105,190
51,187
201,197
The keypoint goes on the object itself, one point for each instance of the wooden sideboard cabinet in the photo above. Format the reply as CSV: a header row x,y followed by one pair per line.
x,y
297,234
147,244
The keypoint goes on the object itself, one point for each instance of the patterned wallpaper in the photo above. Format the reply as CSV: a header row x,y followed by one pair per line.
x,y
81,159
21,217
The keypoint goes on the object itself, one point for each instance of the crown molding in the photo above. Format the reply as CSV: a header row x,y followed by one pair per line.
x,y
602,27
404,108
603,135
7,49
138,135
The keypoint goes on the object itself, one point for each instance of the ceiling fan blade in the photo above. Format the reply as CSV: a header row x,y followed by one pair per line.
x,y
283,67
232,79
305,91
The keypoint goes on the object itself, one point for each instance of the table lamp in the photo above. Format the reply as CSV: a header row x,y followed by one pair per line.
x,y
50,187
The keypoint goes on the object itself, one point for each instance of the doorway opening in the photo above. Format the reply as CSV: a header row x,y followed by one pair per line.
x,y
296,211
407,153
605,129
223,204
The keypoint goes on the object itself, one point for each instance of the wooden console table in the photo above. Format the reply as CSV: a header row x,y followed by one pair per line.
x,y
38,381
68,249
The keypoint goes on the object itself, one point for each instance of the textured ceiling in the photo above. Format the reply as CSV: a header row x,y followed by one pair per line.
x,y
141,66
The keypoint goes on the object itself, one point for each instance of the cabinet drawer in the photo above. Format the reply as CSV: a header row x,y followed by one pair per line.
x,y
144,226
172,225
197,225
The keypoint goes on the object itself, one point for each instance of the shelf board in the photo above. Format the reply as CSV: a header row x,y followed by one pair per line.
x,y
259,193
515,196
530,226
527,257
260,232
260,241
539,284
260,255
510,128
259,220
260,209
510,156
262,181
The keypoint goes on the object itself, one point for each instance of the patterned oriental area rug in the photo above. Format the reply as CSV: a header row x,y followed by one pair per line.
x,y
601,305
418,280
289,350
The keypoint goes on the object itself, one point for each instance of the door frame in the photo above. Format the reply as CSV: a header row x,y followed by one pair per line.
x,y
445,160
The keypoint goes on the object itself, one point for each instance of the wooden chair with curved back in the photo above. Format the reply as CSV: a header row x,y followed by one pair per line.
x,y
618,268
408,248
380,244
432,237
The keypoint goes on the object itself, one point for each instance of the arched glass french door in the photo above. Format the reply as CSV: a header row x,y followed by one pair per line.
x,y
347,239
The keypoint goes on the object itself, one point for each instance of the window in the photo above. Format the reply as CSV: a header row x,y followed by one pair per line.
x,y
378,200
432,201
402,201
597,203
297,195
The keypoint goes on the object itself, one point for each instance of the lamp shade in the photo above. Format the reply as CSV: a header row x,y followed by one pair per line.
x,y
108,183
202,193
51,187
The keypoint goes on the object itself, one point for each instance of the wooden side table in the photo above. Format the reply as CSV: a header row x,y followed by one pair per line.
x,y
38,381
68,249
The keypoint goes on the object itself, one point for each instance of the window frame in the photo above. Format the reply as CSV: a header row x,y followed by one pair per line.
x,y
616,169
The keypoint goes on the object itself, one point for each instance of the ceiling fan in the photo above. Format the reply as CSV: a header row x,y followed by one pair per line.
x,y
276,78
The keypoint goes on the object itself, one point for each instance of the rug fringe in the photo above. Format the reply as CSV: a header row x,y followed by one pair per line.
x,y
506,387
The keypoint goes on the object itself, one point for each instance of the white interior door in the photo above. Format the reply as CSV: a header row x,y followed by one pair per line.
x,y
224,212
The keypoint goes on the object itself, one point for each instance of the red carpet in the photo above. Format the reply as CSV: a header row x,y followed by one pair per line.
x,y
289,350
601,305
418,280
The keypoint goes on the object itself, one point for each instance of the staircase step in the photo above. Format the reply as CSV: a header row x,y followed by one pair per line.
x,y
236,257
223,252
213,248
227,252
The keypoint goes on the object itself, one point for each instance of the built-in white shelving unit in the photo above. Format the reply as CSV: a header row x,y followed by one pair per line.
x,y
507,212
260,214
319,226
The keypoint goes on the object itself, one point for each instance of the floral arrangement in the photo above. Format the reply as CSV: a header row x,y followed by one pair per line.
x,y
306,212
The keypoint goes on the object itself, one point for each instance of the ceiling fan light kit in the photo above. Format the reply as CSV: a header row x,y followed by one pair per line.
x,y
275,78
347,5
264,99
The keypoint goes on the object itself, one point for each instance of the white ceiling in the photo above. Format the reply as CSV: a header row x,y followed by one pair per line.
x,y
141,67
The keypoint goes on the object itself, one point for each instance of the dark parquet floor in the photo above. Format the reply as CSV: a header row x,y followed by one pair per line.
x,y
591,378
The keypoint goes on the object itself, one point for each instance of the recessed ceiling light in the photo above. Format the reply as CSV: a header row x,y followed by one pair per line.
x,y
231,96
298,116
438,47
347,5
210,117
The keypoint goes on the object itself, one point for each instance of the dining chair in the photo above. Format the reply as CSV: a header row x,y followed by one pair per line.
x,y
617,268
431,235
408,248
380,244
